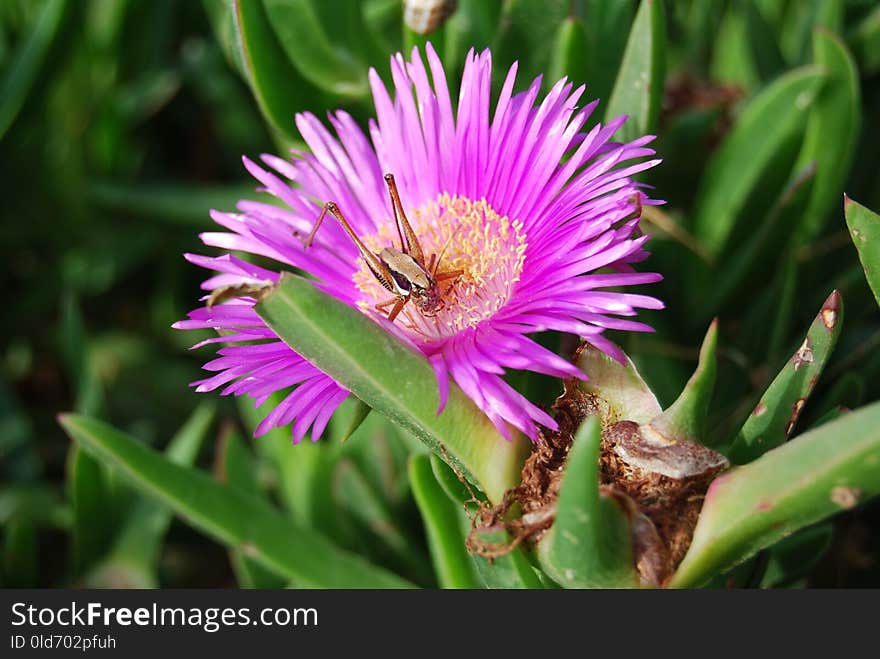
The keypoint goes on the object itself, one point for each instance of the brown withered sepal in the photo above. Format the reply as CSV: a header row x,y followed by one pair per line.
x,y
658,483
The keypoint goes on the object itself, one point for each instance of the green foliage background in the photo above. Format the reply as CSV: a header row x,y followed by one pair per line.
x,y
123,122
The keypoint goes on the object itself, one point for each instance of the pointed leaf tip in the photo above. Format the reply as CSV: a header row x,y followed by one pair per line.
x,y
589,544
687,417
774,418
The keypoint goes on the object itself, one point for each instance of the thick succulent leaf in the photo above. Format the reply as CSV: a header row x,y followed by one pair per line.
x,y
376,521
510,570
324,59
829,469
235,467
802,18
773,419
608,26
619,385
732,56
525,30
865,42
686,419
762,41
737,273
832,131
770,119
232,518
791,558
133,560
474,23
362,410
588,545
455,488
638,91
864,227
220,15
89,493
279,88
571,52
392,379
452,565
20,74
303,477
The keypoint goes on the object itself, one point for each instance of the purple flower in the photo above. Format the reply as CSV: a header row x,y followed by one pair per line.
x,y
537,215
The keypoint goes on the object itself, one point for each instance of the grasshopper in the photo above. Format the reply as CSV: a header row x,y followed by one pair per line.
x,y
403,272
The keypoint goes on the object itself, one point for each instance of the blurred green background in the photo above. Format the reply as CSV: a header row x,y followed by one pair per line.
x,y
122,122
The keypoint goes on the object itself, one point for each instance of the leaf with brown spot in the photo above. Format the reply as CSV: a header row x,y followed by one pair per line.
x,y
784,399
793,486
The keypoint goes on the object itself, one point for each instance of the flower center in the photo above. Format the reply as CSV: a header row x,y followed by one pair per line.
x,y
467,236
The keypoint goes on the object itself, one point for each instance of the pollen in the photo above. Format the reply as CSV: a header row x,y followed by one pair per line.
x,y
464,235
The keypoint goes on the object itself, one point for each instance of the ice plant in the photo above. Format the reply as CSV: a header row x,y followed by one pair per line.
x,y
537,214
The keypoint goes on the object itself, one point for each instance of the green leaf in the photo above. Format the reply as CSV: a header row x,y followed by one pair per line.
x,y
823,471
732,52
620,386
445,539
392,379
220,15
232,518
688,416
90,495
761,38
638,90
236,469
453,486
133,560
303,473
473,24
739,274
865,42
20,74
832,131
524,30
791,558
571,52
510,570
328,63
770,119
773,419
802,18
362,410
588,545
279,88
608,26
864,227
358,496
